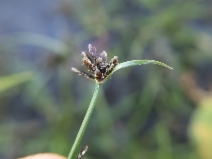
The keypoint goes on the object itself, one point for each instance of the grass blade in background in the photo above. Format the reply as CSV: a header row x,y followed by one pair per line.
x,y
11,81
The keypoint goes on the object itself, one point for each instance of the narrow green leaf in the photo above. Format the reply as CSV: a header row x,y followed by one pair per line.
x,y
7,82
39,40
138,62
134,63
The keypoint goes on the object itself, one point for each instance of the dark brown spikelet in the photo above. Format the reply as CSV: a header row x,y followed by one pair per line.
x,y
97,64
81,73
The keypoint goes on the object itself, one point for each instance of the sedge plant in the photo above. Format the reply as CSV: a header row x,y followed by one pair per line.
x,y
100,71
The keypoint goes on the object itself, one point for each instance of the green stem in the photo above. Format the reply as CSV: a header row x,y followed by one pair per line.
x,y
84,124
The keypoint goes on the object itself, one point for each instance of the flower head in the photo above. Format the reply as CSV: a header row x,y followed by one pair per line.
x,y
97,64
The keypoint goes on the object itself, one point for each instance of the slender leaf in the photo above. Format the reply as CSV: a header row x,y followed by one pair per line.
x,y
134,63
10,81
139,62
39,40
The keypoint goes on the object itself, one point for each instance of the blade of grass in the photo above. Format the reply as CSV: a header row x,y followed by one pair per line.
x,y
139,62
135,63
13,80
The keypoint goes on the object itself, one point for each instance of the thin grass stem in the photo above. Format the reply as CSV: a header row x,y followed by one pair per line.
x,y
84,124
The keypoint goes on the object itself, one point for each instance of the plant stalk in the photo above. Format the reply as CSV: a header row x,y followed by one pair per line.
x,y
84,124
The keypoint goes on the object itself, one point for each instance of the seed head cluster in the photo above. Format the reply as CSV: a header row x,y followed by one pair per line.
x,y
97,64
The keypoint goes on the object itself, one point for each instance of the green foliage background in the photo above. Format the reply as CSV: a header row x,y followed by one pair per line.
x,y
143,112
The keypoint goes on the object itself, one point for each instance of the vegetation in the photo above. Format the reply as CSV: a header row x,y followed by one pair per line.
x,y
141,112
101,70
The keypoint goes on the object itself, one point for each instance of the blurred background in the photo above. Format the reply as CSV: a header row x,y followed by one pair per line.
x,y
143,112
